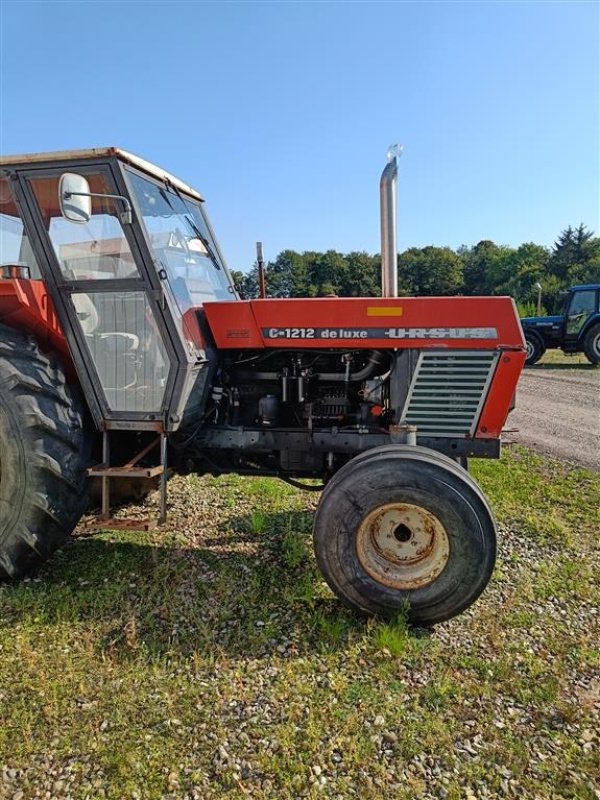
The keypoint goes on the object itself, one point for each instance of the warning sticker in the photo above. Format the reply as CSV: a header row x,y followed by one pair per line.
x,y
240,333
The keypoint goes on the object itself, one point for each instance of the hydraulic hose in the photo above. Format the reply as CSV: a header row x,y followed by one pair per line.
x,y
376,359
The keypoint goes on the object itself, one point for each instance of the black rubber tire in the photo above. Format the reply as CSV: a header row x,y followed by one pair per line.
x,y
591,345
44,452
418,476
535,348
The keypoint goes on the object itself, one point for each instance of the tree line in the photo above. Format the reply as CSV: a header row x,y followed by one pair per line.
x,y
484,269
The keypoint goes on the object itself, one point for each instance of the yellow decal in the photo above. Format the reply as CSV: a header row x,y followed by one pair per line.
x,y
384,311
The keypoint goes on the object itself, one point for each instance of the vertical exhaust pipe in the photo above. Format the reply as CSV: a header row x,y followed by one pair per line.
x,y
262,291
389,250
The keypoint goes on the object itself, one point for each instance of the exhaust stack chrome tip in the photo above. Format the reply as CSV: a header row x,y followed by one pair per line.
x,y
389,252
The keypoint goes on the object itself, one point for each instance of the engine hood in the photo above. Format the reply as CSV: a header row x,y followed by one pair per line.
x,y
541,322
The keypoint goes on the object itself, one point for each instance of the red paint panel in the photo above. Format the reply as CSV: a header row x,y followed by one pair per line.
x,y
415,322
191,328
233,325
500,394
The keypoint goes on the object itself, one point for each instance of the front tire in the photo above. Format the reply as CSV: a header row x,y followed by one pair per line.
x,y
404,527
535,348
43,456
591,345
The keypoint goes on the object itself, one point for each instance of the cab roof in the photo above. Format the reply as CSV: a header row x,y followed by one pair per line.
x,y
98,153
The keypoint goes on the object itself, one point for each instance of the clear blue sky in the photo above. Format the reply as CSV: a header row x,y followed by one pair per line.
x,y
281,113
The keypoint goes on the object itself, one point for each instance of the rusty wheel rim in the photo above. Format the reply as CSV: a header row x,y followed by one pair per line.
x,y
402,546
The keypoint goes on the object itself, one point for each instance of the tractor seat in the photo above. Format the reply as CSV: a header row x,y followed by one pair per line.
x,y
119,343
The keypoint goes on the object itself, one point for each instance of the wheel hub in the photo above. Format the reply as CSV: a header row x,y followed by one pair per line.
x,y
402,545
529,348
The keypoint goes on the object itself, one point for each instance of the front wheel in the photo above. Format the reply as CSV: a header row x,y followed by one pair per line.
x,y
535,348
405,528
591,345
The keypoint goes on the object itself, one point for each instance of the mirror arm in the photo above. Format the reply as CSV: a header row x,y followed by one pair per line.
x,y
126,216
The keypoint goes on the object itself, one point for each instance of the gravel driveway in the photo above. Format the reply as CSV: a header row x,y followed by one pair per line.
x,y
558,413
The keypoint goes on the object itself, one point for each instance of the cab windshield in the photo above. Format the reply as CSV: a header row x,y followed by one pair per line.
x,y
182,243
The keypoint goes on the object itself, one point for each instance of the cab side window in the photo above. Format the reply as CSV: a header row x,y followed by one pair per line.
x,y
15,249
583,305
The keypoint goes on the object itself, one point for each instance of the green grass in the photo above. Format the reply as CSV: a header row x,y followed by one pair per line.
x,y
549,501
210,660
557,356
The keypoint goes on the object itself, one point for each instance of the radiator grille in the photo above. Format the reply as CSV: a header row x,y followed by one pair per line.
x,y
447,392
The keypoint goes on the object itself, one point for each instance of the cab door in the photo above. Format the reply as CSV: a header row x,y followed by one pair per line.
x,y
111,312
582,305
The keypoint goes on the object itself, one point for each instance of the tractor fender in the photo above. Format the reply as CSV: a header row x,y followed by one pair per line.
x,y
26,306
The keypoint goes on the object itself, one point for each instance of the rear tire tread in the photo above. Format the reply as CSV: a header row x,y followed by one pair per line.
x,y
43,458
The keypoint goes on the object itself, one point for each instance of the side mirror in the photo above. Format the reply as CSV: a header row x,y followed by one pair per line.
x,y
74,199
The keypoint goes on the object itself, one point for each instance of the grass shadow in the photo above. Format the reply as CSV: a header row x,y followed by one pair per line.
x,y
251,589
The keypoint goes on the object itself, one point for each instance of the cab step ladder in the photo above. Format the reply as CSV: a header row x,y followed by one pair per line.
x,y
131,469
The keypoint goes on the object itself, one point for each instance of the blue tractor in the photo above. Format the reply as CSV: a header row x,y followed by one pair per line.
x,y
576,329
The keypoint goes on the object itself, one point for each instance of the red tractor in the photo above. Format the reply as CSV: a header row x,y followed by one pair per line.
x,y
124,350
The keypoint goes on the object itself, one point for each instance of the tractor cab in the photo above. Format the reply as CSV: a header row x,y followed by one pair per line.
x,y
128,258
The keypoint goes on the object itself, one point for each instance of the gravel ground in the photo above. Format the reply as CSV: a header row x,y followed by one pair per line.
x,y
558,413
221,667
465,746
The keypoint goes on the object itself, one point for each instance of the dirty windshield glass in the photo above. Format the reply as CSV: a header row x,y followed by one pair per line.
x,y
181,241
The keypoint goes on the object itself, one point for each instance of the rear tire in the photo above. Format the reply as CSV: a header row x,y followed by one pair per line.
x,y
403,527
44,452
535,348
591,345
